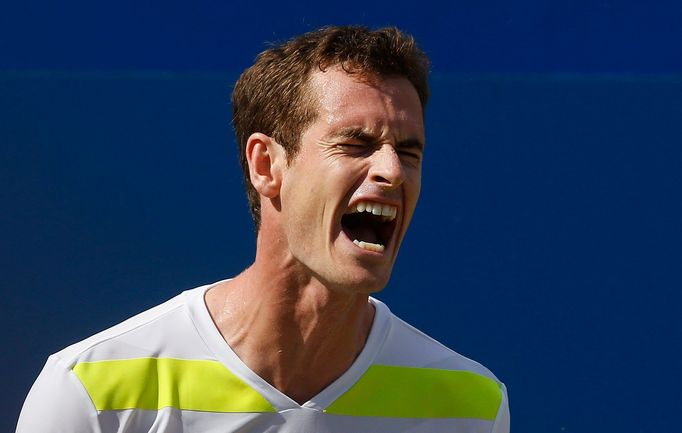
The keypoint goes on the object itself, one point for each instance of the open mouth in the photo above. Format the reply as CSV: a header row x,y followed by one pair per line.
x,y
370,225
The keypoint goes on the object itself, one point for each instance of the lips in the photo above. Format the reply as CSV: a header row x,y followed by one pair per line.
x,y
370,225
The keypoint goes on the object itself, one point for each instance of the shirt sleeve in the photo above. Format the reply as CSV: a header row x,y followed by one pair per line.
x,y
58,403
502,421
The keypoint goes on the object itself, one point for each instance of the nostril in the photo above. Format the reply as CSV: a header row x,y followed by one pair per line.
x,y
380,179
392,176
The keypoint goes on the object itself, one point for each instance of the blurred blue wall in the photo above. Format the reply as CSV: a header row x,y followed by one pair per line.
x,y
546,245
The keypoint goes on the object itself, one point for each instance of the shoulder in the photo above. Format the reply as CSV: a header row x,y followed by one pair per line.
x,y
429,380
163,330
407,346
69,391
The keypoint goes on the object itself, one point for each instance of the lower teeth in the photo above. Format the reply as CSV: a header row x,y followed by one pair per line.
x,y
369,246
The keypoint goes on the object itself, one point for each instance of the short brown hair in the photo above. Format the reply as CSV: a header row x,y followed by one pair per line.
x,y
273,96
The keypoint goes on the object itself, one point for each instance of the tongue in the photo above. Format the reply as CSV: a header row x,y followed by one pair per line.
x,y
363,233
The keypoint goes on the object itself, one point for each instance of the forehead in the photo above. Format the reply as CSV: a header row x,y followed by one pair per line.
x,y
368,102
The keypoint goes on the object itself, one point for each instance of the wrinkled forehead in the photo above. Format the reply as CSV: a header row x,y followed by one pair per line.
x,y
380,103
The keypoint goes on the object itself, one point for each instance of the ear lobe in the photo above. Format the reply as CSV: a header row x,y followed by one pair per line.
x,y
265,157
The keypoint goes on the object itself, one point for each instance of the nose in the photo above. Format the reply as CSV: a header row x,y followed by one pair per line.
x,y
386,168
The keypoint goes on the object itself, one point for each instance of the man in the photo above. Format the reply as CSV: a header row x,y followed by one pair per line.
x,y
331,135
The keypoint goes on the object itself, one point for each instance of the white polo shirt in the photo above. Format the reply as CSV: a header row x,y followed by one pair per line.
x,y
169,370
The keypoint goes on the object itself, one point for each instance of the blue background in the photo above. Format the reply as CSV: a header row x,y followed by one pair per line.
x,y
547,241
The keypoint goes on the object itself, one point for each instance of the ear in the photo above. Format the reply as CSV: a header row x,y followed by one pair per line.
x,y
266,159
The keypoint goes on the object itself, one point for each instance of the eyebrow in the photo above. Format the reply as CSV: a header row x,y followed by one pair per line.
x,y
361,134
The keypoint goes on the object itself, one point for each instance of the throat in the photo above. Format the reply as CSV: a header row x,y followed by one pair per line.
x,y
319,333
301,369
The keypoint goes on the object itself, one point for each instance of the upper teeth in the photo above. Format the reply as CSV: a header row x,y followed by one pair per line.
x,y
386,210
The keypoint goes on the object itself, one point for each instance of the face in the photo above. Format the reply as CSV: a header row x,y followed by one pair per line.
x,y
349,194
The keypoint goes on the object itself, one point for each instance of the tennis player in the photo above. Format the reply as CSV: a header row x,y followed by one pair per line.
x,y
330,127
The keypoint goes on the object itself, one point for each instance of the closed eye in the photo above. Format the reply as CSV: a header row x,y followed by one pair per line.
x,y
354,148
410,153
410,150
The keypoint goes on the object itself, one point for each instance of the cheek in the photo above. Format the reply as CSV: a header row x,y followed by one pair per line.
x,y
414,184
303,202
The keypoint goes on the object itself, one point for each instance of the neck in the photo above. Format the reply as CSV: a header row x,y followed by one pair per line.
x,y
288,327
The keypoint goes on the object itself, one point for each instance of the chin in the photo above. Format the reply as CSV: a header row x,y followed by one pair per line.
x,y
359,282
